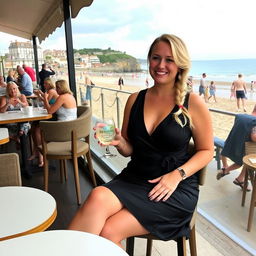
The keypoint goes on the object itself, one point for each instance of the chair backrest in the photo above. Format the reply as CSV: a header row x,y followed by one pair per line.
x,y
201,172
10,170
60,131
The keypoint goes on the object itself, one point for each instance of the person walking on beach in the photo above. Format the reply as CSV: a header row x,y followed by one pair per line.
x,y
212,88
239,86
88,94
120,83
146,82
202,87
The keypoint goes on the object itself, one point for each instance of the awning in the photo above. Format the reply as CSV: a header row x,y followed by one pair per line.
x,y
40,18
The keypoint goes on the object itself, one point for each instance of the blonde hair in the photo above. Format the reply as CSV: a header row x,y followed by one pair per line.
x,y
182,60
8,89
63,86
48,80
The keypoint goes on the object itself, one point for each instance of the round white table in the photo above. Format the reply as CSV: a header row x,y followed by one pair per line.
x,y
60,243
4,135
25,210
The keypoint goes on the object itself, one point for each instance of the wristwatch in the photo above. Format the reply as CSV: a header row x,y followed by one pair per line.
x,y
182,173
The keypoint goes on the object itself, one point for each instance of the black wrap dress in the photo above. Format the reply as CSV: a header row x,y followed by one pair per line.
x,y
153,156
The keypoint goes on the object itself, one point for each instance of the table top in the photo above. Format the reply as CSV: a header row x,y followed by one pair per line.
x,y
250,160
25,210
60,242
18,116
4,135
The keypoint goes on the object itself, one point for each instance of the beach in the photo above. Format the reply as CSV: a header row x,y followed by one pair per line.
x,y
222,124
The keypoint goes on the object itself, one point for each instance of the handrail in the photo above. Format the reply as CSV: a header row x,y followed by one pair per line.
x,y
127,92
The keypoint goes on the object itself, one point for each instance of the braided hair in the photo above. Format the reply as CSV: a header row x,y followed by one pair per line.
x,y
182,60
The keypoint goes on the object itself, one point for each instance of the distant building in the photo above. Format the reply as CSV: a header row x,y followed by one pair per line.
x,y
22,52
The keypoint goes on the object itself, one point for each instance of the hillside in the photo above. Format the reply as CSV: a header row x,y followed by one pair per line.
x,y
114,60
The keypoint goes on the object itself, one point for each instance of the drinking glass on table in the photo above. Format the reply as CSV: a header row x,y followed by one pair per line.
x,y
105,132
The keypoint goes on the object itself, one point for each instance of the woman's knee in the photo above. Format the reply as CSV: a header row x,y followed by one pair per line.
x,y
98,197
110,233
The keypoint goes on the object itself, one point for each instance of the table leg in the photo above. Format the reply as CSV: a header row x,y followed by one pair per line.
x,y
253,200
245,185
24,155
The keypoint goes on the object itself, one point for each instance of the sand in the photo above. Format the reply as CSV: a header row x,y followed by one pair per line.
x,y
221,123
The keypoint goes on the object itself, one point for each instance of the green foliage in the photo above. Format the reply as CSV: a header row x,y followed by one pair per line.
x,y
105,56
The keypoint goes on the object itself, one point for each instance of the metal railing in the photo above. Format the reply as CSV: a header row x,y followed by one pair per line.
x,y
116,101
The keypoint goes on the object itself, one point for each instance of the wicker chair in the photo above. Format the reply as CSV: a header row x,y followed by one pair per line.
x,y
181,241
67,140
10,170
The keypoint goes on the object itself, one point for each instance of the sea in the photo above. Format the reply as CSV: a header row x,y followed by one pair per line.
x,y
218,70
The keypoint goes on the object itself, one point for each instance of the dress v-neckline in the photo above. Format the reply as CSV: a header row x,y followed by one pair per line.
x,y
144,123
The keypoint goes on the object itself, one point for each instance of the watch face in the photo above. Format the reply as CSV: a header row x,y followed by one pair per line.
x,y
182,173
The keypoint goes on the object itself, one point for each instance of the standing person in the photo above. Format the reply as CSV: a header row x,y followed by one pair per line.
x,y
146,83
88,94
202,87
239,87
25,82
158,190
120,83
212,88
31,72
232,92
190,84
44,73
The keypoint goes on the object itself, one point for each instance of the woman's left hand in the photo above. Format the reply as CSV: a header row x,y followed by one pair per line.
x,y
165,187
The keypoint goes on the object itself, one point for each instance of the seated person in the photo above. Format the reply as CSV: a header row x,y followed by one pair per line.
x,y
35,131
65,108
244,129
14,101
25,82
50,90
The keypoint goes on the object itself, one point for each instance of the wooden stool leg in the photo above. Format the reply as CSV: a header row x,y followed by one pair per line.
x,y
130,246
252,204
245,185
149,247
192,242
181,246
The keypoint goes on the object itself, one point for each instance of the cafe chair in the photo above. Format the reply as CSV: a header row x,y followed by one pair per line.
x,y
10,170
64,140
181,241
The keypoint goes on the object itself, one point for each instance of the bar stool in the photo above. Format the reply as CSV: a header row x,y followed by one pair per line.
x,y
250,171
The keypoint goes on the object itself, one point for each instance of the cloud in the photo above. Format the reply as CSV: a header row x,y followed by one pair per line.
x,y
211,29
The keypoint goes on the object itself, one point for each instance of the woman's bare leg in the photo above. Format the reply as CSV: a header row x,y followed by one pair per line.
x,y
122,225
99,206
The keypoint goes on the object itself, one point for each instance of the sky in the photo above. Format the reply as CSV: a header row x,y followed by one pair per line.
x,y
211,29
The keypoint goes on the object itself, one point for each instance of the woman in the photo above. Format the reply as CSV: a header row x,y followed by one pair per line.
x,y
158,190
10,77
50,90
14,101
35,131
64,107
